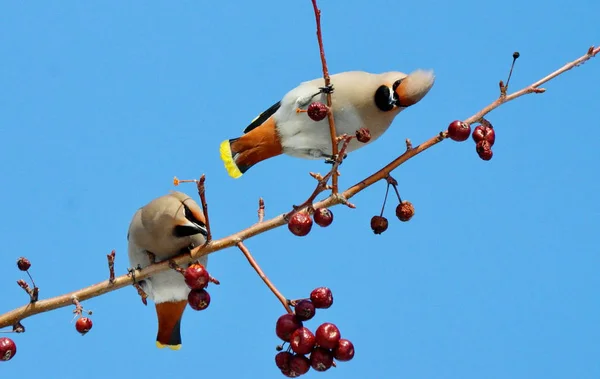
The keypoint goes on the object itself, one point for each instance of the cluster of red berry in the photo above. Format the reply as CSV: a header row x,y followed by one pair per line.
x,y
483,135
324,345
197,278
301,223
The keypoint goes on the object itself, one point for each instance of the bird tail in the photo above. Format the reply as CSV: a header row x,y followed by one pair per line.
x,y
260,143
169,321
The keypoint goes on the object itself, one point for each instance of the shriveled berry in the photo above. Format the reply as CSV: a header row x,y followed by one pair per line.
x,y
344,351
83,325
379,224
327,335
299,365
317,111
321,297
302,341
8,349
199,300
23,264
321,359
484,150
305,310
196,276
286,325
405,210
482,132
458,131
363,135
300,224
323,217
282,360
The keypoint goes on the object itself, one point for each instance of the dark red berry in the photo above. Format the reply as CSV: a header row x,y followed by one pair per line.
x,y
317,111
484,150
327,335
458,131
321,359
363,135
286,325
321,297
344,351
282,360
379,224
199,300
323,217
484,133
300,224
83,325
305,310
405,210
302,341
299,365
8,349
196,276
23,264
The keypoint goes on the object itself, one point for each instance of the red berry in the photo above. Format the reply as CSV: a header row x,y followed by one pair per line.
x,y
323,217
302,341
363,135
23,264
321,359
300,224
458,130
305,310
482,132
484,150
8,349
405,211
321,297
199,300
299,365
317,111
344,350
327,335
379,224
83,325
282,360
286,325
196,276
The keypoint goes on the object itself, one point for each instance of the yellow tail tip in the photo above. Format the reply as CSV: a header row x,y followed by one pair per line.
x,y
172,347
227,158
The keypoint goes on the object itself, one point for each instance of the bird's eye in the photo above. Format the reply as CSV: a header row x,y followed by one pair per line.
x,y
396,84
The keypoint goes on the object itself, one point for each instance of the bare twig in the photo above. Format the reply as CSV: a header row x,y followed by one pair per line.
x,y
327,79
111,266
261,210
32,292
322,180
11,317
284,301
202,194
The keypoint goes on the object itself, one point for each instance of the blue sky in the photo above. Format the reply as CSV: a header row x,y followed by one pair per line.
x,y
496,276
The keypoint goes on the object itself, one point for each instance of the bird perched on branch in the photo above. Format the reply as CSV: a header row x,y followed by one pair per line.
x,y
359,100
164,228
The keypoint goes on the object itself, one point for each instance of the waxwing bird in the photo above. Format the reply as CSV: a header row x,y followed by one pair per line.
x,y
165,227
359,99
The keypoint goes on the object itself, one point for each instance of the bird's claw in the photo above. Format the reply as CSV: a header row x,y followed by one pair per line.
x,y
330,159
327,89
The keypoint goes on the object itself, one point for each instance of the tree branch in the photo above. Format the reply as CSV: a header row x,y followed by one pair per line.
x,y
16,315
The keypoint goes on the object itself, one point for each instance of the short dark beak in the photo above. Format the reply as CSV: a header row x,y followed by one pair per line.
x,y
190,230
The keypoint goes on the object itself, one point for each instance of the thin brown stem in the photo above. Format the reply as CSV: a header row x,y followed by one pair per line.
x,y
202,194
261,210
15,315
284,301
327,79
111,266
